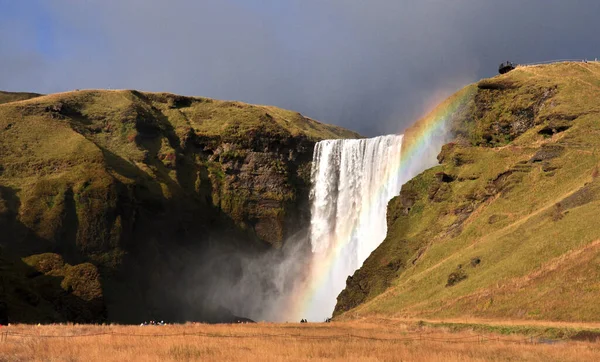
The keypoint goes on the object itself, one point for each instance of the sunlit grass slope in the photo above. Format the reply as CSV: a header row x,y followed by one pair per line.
x,y
508,225
6,97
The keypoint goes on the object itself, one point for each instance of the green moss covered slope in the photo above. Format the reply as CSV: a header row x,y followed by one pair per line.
x,y
507,226
120,179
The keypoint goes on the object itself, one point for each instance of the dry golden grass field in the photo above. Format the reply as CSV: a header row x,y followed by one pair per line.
x,y
372,340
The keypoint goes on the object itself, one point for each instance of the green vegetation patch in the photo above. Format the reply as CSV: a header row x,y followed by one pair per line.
x,y
555,333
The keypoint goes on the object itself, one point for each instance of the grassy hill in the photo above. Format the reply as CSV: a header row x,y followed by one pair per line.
x,y
138,187
507,225
6,97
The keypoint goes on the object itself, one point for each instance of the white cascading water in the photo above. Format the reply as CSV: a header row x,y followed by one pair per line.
x,y
353,181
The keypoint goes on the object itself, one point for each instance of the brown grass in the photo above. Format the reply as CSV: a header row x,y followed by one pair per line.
x,y
365,341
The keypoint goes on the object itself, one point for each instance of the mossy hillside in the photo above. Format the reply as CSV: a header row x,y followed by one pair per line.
x,y
43,288
93,140
511,209
535,333
124,178
6,97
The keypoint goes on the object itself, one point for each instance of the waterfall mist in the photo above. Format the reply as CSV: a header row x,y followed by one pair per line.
x,y
352,182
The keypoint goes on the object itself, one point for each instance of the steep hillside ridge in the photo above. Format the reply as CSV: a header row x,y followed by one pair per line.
x,y
6,97
138,183
506,226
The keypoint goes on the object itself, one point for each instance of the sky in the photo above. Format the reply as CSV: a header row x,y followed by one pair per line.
x,y
372,66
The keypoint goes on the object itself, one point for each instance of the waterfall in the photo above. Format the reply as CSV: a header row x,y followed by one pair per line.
x,y
352,183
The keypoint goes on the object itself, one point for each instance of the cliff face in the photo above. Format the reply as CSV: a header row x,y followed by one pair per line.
x,y
122,186
506,225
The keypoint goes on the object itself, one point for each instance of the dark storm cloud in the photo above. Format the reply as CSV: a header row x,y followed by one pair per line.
x,y
372,66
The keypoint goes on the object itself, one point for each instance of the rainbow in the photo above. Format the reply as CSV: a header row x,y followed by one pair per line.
x,y
424,139
420,146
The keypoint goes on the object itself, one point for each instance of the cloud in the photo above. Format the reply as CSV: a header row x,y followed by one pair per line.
x,y
370,66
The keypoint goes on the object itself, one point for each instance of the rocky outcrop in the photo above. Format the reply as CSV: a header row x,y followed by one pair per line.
x,y
263,189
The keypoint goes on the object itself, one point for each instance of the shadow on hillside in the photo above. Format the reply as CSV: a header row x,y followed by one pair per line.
x,y
66,243
30,296
151,127
23,241
164,274
15,235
